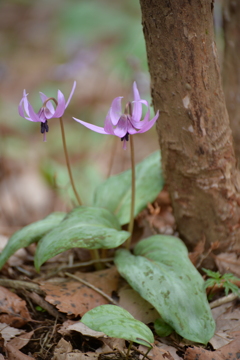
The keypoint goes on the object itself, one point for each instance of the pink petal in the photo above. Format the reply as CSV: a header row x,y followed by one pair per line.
x,y
136,94
33,116
139,124
137,107
21,112
108,126
60,107
116,110
95,128
122,127
20,108
131,129
150,124
49,105
23,105
71,94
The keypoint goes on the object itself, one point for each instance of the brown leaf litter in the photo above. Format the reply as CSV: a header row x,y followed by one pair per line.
x,y
13,310
74,298
228,263
139,308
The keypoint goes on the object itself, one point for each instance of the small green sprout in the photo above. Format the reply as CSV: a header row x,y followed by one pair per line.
x,y
39,308
226,281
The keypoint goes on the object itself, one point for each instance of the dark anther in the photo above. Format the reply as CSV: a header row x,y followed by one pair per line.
x,y
44,127
125,137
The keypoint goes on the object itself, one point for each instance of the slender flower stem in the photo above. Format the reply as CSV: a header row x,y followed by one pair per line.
x,y
68,163
94,253
131,222
113,152
96,257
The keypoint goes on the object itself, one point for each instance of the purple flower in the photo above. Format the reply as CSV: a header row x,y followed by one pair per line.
x,y
121,125
47,110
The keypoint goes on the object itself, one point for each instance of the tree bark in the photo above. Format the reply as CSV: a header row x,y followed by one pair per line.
x,y
231,66
194,133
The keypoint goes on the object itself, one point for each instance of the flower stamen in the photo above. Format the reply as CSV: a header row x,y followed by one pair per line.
x,y
125,137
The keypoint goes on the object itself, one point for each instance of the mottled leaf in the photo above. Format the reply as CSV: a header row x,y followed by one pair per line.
x,y
162,273
84,227
115,192
29,234
117,322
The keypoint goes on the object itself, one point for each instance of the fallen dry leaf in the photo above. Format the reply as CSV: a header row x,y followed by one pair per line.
x,y
197,252
193,353
13,309
227,324
139,308
82,356
228,263
157,353
15,354
63,329
106,280
230,351
84,330
64,351
112,344
7,332
20,341
72,297
18,257
167,348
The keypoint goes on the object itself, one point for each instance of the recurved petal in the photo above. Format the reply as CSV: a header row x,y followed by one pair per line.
x,y
95,128
21,111
122,127
20,108
108,126
131,130
60,107
32,115
23,105
137,106
140,124
115,111
71,94
49,105
149,124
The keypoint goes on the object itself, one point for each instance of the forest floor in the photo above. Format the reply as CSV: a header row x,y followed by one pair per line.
x,y
40,313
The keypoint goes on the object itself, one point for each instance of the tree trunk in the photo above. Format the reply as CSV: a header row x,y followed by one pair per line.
x,y
194,133
231,66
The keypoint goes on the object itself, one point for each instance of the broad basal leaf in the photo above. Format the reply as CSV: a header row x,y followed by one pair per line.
x,y
29,234
85,227
115,193
162,273
116,322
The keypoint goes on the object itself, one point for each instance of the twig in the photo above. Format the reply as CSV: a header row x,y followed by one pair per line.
x,y
93,287
75,266
19,285
223,300
141,352
45,305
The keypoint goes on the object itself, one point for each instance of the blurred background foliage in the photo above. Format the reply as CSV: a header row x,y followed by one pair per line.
x,y
45,46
